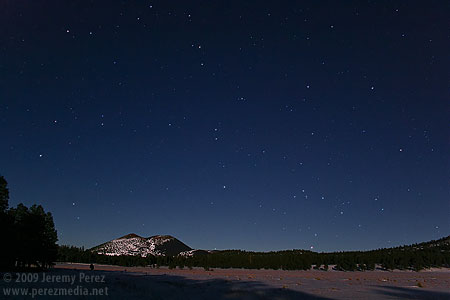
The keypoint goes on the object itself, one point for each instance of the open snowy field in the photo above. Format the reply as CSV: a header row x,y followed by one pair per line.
x,y
148,283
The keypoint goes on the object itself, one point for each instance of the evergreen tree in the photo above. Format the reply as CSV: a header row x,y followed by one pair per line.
x,y
6,230
4,195
30,233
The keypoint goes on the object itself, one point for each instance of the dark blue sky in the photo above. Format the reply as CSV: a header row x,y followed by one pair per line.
x,y
230,124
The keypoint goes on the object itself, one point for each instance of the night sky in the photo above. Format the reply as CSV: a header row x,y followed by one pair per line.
x,y
250,125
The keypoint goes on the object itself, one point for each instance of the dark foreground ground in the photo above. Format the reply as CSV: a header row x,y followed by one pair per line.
x,y
220,284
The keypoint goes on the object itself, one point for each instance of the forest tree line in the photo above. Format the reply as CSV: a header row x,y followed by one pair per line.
x,y
413,257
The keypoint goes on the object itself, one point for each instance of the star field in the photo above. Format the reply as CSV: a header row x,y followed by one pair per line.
x,y
244,124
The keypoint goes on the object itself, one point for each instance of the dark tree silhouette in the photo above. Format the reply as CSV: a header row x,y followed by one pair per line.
x,y
31,234
4,195
6,232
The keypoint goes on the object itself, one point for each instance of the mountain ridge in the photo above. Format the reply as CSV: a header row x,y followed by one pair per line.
x,y
135,245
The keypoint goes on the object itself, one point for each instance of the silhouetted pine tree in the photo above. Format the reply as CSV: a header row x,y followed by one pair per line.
x,y
30,234
6,230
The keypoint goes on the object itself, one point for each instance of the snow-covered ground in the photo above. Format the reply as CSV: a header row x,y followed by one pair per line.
x,y
221,284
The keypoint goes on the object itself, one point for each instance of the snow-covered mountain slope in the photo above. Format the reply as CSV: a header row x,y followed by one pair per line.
x,y
133,244
193,252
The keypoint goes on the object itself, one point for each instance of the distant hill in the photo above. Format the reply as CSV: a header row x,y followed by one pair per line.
x,y
135,245
442,243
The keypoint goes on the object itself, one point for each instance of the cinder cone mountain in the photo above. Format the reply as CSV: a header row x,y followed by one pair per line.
x,y
133,244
